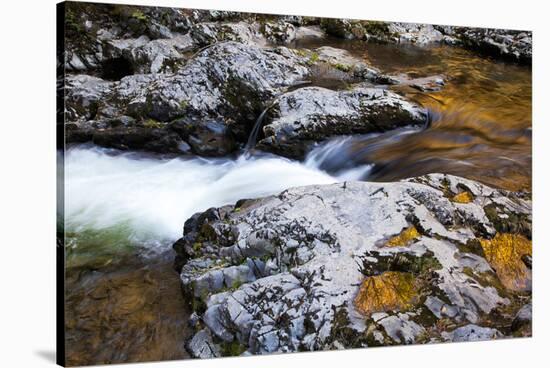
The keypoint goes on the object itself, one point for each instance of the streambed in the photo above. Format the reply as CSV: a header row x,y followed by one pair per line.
x,y
124,210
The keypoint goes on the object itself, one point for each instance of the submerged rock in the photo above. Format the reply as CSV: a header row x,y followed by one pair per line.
x,y
312,114
310,268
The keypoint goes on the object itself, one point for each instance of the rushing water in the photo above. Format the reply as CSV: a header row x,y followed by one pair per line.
x,y
152,197
124,210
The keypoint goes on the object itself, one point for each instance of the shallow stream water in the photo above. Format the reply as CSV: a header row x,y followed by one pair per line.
x,y
124,210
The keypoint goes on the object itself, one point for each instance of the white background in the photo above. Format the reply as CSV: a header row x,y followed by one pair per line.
x,y
27,180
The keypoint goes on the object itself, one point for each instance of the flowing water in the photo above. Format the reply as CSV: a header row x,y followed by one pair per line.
x,y
252,139
124,210
481,119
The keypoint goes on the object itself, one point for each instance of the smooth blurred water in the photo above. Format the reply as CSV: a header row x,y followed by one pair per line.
x,y
151,197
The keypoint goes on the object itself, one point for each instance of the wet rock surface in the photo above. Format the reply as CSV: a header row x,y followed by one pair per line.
x,y
312,269
307,115
505,44
175,72
231,83
228,82
472,333
168,74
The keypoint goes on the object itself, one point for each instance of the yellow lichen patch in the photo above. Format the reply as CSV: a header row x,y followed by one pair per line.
x,y
404,238
388,291
152,124
463,197
504,253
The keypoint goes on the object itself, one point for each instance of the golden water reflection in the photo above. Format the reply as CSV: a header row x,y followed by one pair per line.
x,y
481,127
481,118
129,309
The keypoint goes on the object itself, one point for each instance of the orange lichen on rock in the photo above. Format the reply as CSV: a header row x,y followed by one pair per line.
x,y
388,291
405,238
463,197
504,252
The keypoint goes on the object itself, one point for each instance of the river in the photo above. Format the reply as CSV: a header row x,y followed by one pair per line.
x,y
123,210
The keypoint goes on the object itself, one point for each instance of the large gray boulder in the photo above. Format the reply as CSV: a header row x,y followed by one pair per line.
x,y
419,34
312,114
212,102
228,83
150,56
354,264
84,95
225,79
208,33
90,27
229,79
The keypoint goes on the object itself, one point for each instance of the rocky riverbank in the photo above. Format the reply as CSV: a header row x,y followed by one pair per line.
x,y
194,82
431,259
295,100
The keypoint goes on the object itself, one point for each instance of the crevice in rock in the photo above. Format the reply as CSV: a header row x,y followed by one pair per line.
x,y
116,69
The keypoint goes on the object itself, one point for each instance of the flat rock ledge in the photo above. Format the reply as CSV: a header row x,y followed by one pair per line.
x,y
358,264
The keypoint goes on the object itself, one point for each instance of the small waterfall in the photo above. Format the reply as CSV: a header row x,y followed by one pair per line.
x,y
255,130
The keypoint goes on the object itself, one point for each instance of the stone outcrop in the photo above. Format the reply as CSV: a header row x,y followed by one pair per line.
x,y
334,266
217,95
229,83
502,43
312,114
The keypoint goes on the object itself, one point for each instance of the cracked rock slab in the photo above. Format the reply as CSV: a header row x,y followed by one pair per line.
x,y
307,250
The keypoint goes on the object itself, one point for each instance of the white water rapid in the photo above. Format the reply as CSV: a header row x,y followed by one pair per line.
x,y
153,196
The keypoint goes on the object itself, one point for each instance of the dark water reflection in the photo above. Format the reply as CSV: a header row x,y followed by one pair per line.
x,y
481,126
